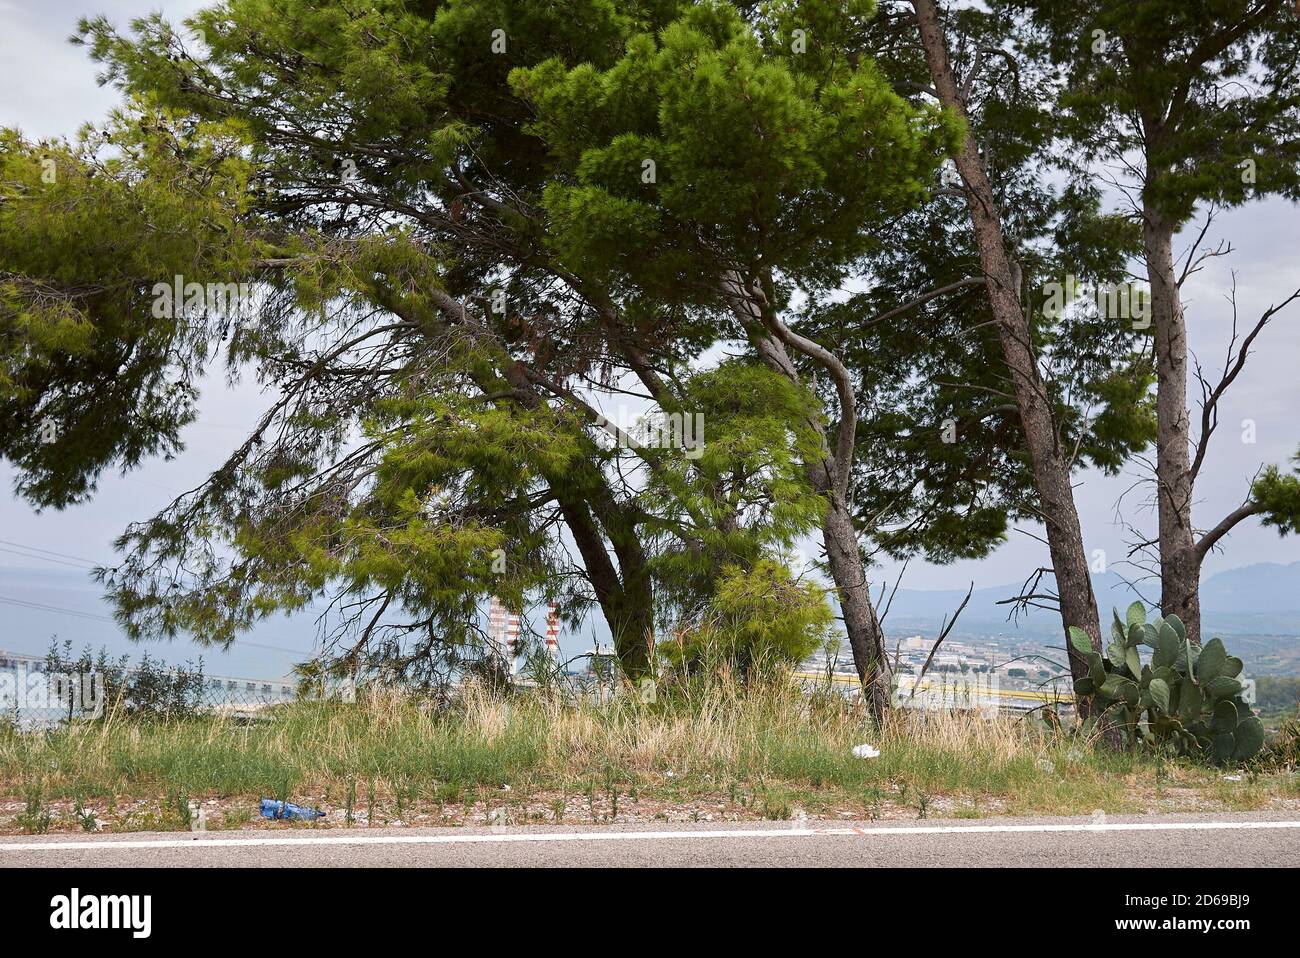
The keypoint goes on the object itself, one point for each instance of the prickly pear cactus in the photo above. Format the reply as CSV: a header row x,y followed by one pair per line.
x,y
1184,696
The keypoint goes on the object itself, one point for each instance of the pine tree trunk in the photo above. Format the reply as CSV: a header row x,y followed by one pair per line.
x,y
589,508
1179,560
623,592
847,568
866,639
1050,463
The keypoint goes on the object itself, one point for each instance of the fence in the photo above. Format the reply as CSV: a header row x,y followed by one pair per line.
x,y
33,695
36,692
984,692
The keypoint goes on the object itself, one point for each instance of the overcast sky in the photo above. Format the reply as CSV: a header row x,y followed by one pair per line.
x,y
49,90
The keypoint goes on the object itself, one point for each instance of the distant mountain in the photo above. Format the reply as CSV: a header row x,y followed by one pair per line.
x,y
37,604
1258,588
1259,599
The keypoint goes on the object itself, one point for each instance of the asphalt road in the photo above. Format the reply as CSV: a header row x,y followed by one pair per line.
x,y
1248,839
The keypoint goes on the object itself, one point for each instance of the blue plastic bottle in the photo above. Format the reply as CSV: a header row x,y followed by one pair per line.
x,y
272,808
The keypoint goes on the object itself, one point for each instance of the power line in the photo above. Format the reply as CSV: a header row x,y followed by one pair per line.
x,y
29,555
269,648
61,555
90,615
42,607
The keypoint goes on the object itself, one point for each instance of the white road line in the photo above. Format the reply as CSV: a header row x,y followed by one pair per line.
x,y
505,837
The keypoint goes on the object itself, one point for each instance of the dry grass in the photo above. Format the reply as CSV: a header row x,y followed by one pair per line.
x,y
709,750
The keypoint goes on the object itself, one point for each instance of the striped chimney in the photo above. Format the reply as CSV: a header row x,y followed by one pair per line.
x,y
497,625
553,631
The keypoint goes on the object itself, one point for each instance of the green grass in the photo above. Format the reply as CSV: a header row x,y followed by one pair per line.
x,y
766,751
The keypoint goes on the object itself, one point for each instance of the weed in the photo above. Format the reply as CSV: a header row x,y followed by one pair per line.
x,y
874,802
776,806
235,817
85,817
178,803
35,818
748,744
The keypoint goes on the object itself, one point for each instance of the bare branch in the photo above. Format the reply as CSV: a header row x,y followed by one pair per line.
x,y
1232,368
1245,510
925,298
939,641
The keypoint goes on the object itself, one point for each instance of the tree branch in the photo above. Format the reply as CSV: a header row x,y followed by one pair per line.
x,y
1208,540
1231,369
926,297
756,304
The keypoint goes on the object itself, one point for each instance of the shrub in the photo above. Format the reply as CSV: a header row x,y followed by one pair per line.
x,y
757,618
1284,750
1186,698
153,689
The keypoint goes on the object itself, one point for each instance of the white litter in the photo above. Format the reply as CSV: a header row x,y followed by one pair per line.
x,y
866,751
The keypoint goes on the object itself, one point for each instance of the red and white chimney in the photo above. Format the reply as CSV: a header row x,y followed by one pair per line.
x,y
553,631
497,626
512,638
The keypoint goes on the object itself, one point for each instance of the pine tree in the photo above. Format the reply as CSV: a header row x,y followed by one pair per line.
x,y
1051,460
1205,97
434,357
725,165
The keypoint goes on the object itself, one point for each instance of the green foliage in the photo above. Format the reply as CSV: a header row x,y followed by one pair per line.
x,y
1185,698
150,690
1276,497
759,155
940,363
757,619
90,374
1284,749
35,817
378,172
743,495
424,450
1202,90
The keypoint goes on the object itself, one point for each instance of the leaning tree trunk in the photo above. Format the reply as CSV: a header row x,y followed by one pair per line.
x,y
589,508
624,592
1179,559
829,476
1051,465
861,624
